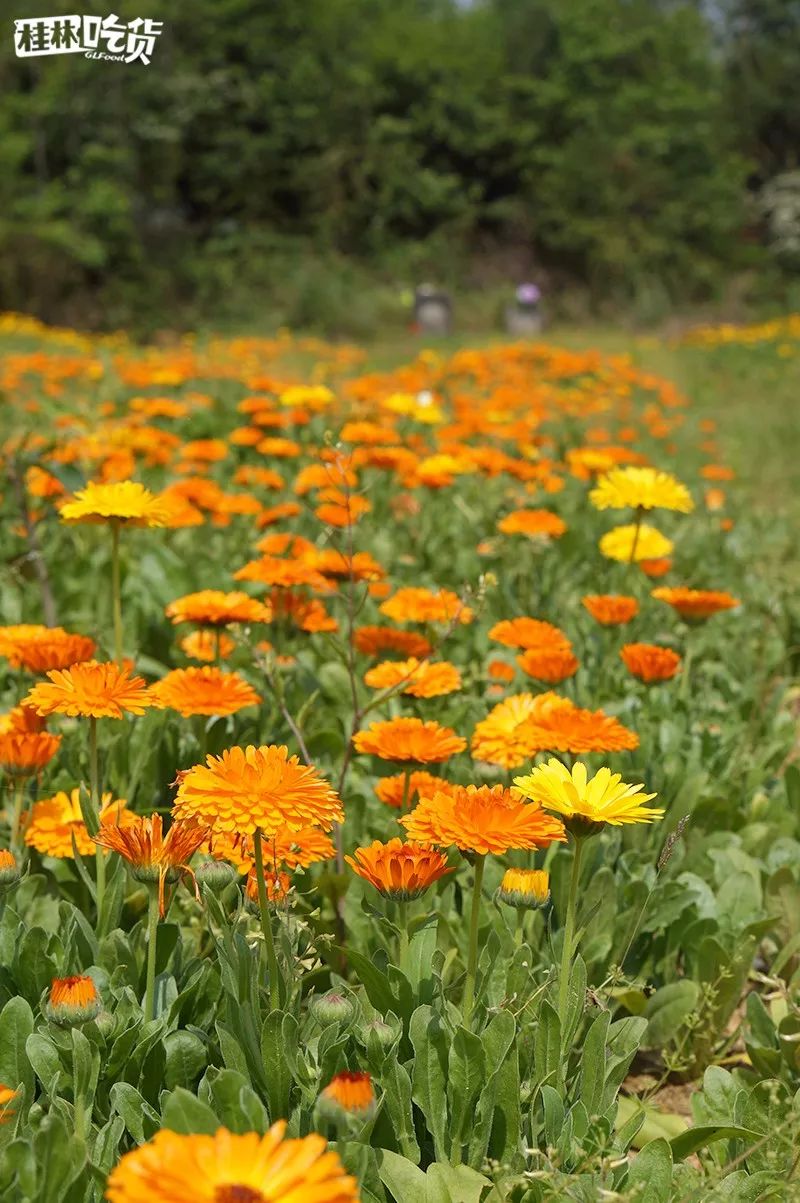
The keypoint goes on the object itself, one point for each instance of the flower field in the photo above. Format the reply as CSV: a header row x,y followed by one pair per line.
x,y
399,783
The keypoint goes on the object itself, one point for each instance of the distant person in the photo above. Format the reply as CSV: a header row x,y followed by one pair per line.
x,y
433,310
523,317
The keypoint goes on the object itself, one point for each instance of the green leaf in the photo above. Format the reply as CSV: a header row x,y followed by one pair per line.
x,y
43,1056
429,1076
183,1112
705,1134
139,1117
396,1085
651,1173
547,1045
278,1032
16,1025
186,1058
404,1179
593,1063
668,1010
466,1076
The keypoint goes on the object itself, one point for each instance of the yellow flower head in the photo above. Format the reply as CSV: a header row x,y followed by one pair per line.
x,y
623,544
640,488
126,502
605,798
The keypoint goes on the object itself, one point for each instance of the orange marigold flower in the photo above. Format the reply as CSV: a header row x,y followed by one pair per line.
x,y
205,690
415,604
125,502
655,568
207,645
376,641
286,849
533,523
419,678
232,1168
717,472
25,753
485,819
55,822
90,690
282,574
530,633
409,739
546,664
72,1000
277,884
214,608
153,857
499,670
41,648
611,609
401,788
276,513
399,871
341,509
7,1100
249,788
696,603
522,725
649,662
350,1091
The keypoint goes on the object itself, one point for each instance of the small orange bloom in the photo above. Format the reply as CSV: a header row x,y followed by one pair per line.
x,y
278,886
214,608
485,819
41,648
522,725
393,790
534,523
399,871
696,603
151,855
548,665
530,633
55,822
499,670
376,641
206,645
414,604
90,690
656,568
351,1091
72,1000
418,678
7,1099
409,739
649,662
611,609
25,753
205,690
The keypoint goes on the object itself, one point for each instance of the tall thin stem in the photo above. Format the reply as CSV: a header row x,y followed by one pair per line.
x,y
116,594
402,923
266,923
683,691
635,544
94,793
569,934
472,955
16,822
152,939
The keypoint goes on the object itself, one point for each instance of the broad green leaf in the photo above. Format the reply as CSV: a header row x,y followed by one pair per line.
x,y
547,1045
16,1025
396,1085
651,1173
466,1076
183,1112
705,1134
429,1077
279,1030
186,1058
593,1063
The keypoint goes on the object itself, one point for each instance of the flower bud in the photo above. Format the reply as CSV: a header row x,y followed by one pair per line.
x,y
72,1000
216,874
348,1095
9,870
525,888
331,1008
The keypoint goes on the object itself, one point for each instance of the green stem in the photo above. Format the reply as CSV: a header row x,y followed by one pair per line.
x,y
94,793
472,956
569,934
519,930
686,671
266,923
635,544
116,595
16,822
152,937
402,923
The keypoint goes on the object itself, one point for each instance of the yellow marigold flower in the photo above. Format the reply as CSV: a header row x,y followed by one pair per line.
x,y
419,678
624,543
205,690
640,488
90,690
232,1168
481,819
125,502
249,788
55,822
399,871
605,798
523,888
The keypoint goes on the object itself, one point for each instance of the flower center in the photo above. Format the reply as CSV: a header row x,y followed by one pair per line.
x,y
238,1194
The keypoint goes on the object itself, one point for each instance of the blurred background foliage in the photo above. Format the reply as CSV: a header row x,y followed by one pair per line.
x,y
305,161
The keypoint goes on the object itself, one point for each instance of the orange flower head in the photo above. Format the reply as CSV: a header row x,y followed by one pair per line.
x,y
72,1000
530,633
7,1100
376,641
414,604
418,678
25,753
9,869
125,502
401,872
205,690
214,608
350,1092
551,666
205,645
409,739
696,604
522,725
402,788
249,788
656,568
287,849
649,662
277,884
152,856
56,822
38,649
525,888
534,523
484,819
90,690
611,609
232,1168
